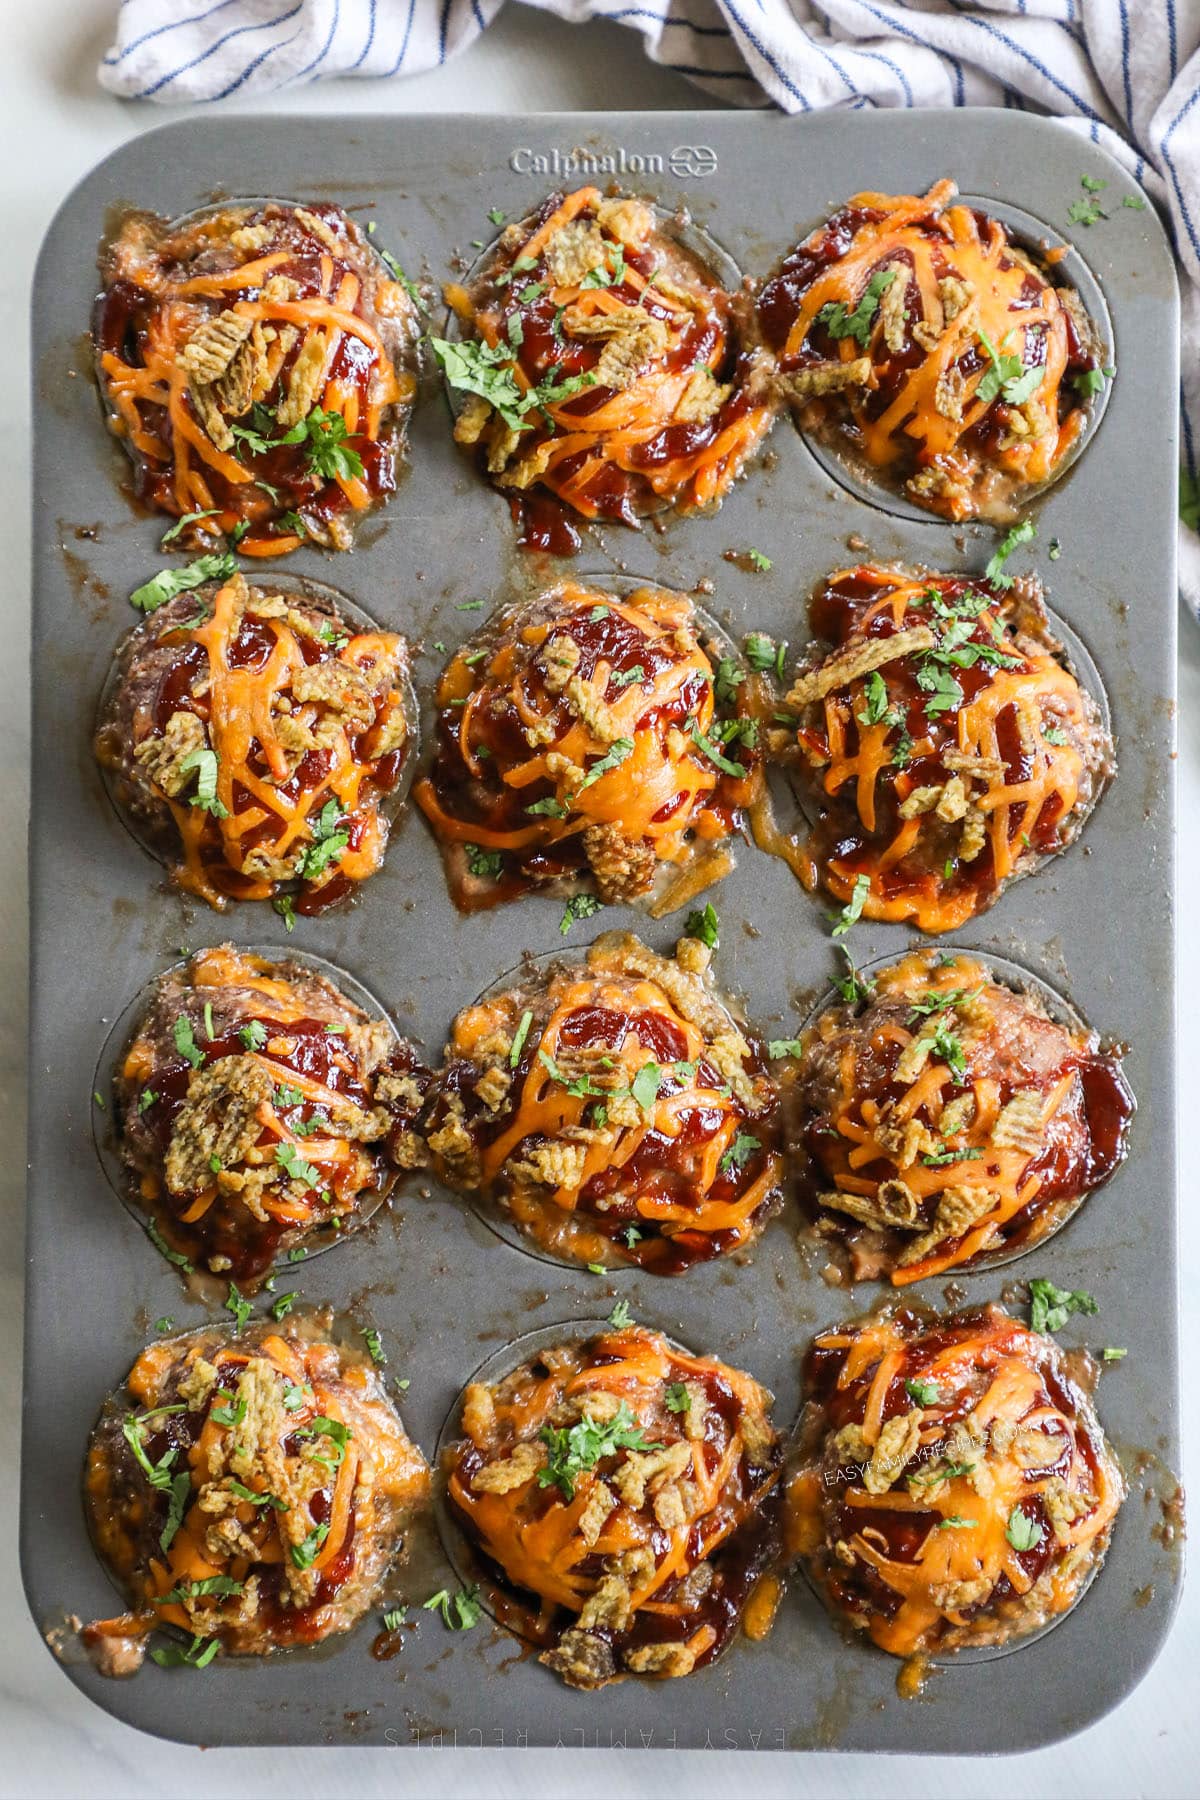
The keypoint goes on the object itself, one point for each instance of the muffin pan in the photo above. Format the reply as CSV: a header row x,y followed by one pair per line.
x,y
444,1292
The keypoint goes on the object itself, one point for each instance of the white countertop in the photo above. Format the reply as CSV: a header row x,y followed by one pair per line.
x,y
55,123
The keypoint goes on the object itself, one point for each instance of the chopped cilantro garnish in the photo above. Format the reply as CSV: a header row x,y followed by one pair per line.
x,y
181,525
612,759
164,1249
840,323
134,1428
194,1590
949,1048
1020,534
185,1041
305,1554
374,1344
855,988
1006,375
459,1611
851,913
704,925
164,586
238,1306
760,562
646,1084
713,753
576,1448
518,1043
283,1306
329,841
285,906
473,367
764,654
253,1035
618,1318
925,1393
579,906
484,864
1111,1353
781,1047
1022,1532
290,1159
677,1398
198,1654
739,1153
1050,1307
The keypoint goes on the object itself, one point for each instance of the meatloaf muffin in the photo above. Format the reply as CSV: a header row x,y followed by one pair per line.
x,y
257,363
914,336
950,1121
944,747
614,1109
955,1488
257,742
592,743
261,1112
603,362
620,1495
250,1491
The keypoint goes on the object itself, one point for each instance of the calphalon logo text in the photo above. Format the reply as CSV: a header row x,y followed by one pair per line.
x,y
687,162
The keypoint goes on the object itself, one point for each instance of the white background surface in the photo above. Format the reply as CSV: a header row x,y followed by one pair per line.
x,y
55,123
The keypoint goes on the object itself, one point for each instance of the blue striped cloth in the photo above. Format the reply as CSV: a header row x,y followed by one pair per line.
x,y
1124,73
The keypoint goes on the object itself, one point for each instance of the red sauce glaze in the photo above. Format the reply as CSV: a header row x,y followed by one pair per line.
x,y
131,316
656,466
929,713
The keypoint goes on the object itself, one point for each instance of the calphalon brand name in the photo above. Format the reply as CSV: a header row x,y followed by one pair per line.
x,y
687,162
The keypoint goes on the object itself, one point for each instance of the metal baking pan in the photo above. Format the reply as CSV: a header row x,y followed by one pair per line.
x,y
445,1292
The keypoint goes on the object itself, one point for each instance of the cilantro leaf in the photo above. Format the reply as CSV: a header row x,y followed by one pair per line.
x,y
460,1612
851,913
618,1318
185,1041
704,925
840,323
1020,534
305,1554
198,1654
925,1393
238,1306
579,906
328,451
195,1590
484,864
714,755
677,1398
646,1084
290,1159
518,1043
613,758
206,766
218,566
1050,1307
579,1447
764,654
739,1153
328,842
1022,1532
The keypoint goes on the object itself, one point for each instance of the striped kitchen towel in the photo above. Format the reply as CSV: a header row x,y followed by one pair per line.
x,y
1124,73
